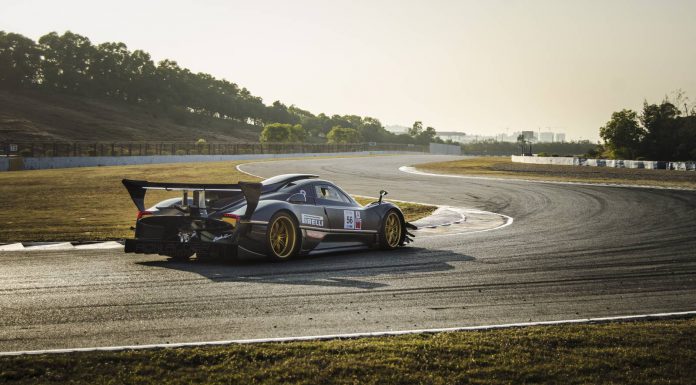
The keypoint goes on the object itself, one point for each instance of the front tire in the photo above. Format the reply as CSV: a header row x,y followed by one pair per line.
x,y
392,232
282,237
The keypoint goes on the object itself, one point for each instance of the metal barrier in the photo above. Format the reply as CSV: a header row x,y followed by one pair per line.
x,y
83,148
445,149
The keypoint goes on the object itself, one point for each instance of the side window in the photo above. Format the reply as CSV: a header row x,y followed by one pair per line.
x,y
329,193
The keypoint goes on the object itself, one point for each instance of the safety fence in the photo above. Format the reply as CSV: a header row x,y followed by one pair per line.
x,y
77,149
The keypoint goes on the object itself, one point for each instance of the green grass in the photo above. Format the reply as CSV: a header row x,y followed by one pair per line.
x,y
648,352
503,167
91,203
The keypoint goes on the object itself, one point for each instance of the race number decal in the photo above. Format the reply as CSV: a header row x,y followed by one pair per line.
x,y
349,219
352,220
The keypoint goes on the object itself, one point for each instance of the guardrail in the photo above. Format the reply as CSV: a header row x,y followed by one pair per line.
x,y
84,148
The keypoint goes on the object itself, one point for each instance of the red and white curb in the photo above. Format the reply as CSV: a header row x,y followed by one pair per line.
x,y
640,317
43,246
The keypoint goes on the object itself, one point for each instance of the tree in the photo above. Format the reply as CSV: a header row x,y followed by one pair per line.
x,y
661,130
296,134
275,133
342,135
66,61
426,136
622,134
371,130
278,112
20,60
416,129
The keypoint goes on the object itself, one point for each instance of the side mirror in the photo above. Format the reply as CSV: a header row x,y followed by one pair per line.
x,y
382,193
298,198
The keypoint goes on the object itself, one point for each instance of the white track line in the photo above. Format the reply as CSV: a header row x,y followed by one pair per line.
x,y
359,335
413,170
239,168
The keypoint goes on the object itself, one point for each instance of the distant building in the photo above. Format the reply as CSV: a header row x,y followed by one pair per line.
x,y
546,137
560,137
396,129
455,136
528,135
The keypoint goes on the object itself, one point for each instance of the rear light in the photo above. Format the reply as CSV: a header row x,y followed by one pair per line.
x,y
230,218
143,213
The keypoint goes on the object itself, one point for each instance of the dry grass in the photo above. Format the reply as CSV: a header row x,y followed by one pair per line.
x,y
503,167
91,203
650,352
412,211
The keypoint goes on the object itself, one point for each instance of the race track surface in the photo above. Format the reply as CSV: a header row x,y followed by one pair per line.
x,y
572,252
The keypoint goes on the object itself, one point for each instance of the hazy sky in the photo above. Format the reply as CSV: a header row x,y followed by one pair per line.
x,y
473,66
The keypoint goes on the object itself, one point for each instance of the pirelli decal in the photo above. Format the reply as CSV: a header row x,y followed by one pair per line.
x,y
313,220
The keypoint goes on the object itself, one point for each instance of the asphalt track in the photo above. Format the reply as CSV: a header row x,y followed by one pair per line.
x,y
572,252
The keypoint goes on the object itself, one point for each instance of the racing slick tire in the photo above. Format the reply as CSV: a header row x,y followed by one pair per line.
x,y
392,232
283,237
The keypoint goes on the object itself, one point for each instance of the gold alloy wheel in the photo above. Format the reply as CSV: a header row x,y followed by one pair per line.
x,y
282,237
392,230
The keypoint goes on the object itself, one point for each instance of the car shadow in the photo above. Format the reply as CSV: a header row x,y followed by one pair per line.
x,y
347,269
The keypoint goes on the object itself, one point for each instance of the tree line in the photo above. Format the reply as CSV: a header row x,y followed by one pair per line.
x,y
71,63
665,131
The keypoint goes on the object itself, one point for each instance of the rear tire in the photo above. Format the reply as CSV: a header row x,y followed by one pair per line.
x,y
392,232
283,237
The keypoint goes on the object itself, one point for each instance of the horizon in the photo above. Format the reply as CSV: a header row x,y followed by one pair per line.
x,y
482,69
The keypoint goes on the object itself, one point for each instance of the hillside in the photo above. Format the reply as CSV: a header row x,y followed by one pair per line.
x,y
38,116
64,87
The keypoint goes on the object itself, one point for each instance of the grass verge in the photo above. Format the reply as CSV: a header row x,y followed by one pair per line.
x,y
503,167
91,203
646,352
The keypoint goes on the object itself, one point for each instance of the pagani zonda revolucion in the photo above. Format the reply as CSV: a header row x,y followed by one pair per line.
x,y
280,217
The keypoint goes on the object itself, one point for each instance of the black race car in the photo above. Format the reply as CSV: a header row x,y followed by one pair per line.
x,y
280,217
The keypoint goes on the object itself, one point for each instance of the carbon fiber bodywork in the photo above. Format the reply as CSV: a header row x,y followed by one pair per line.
x,y
327,218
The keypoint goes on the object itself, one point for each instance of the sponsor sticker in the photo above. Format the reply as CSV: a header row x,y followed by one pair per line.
x,y
358,221
313,220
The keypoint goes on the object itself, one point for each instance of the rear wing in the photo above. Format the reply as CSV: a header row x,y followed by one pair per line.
x,y
138,188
